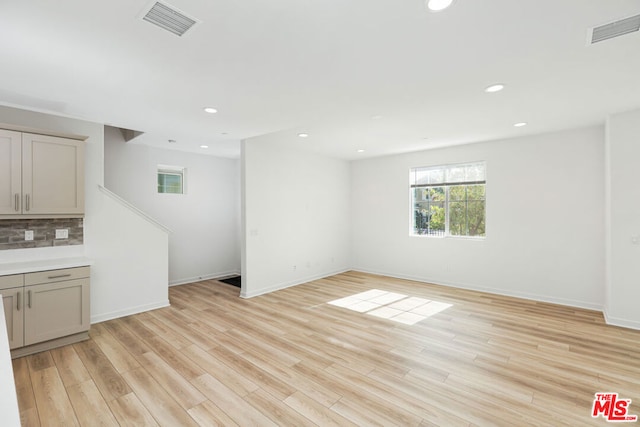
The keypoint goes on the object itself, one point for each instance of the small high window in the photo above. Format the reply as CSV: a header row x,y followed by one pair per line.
x,y
448,200
171,179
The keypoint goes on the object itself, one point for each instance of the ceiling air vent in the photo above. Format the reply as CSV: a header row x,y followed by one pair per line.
x,y
169,18
615,29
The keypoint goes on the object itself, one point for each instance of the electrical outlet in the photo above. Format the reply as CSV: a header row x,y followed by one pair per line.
x,y
62,233
28,235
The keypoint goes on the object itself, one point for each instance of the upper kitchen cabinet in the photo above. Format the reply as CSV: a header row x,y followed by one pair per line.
x,y
40,176
10,172
52,175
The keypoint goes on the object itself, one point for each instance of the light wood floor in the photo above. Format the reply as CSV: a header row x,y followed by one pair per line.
x,y
289,358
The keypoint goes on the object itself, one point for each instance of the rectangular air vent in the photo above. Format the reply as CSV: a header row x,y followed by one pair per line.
x,y
615,29
168,18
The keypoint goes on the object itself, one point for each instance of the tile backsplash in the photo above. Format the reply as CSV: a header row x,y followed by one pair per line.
x,y
12,232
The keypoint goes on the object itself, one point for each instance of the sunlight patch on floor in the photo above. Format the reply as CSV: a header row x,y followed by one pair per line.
x,y
391,305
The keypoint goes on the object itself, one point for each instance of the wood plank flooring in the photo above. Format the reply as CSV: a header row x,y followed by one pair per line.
x,y
291,359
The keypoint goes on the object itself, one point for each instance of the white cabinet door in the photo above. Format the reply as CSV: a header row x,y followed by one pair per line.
x,y
10,173
52,175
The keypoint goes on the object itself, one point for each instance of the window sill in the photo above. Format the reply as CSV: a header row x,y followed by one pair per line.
x,y
476,238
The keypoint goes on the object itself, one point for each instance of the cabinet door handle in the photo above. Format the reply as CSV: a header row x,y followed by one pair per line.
x,y
59,276
17,201
27,202
18,298
29,298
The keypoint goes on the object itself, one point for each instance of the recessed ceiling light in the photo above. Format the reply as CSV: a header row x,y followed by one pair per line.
x,y
303,135
172,141
210,110
494,88
204,146
438,5
520,124
360,150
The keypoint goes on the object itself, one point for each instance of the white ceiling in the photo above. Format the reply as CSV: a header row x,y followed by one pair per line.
x,y
386,76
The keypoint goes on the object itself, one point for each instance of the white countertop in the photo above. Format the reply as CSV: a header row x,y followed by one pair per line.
x,y
19,267
8,398
18,261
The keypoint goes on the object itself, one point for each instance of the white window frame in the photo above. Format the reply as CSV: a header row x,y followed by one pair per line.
x,y
447,184
172,170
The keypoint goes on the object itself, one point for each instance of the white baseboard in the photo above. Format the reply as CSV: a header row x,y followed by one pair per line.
x,y
220,275
616,321
128,311
285,285
504,292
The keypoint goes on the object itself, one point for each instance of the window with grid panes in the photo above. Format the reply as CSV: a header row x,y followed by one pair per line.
x,y
448,200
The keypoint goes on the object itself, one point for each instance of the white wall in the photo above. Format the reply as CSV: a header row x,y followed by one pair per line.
x,y
119,283
296,213
545,219
623,220
204,240
131,256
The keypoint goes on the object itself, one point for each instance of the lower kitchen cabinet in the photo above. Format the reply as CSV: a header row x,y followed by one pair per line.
x,y
13,313
46,309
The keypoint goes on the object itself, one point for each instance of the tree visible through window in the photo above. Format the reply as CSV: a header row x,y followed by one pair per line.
x,y
449,200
